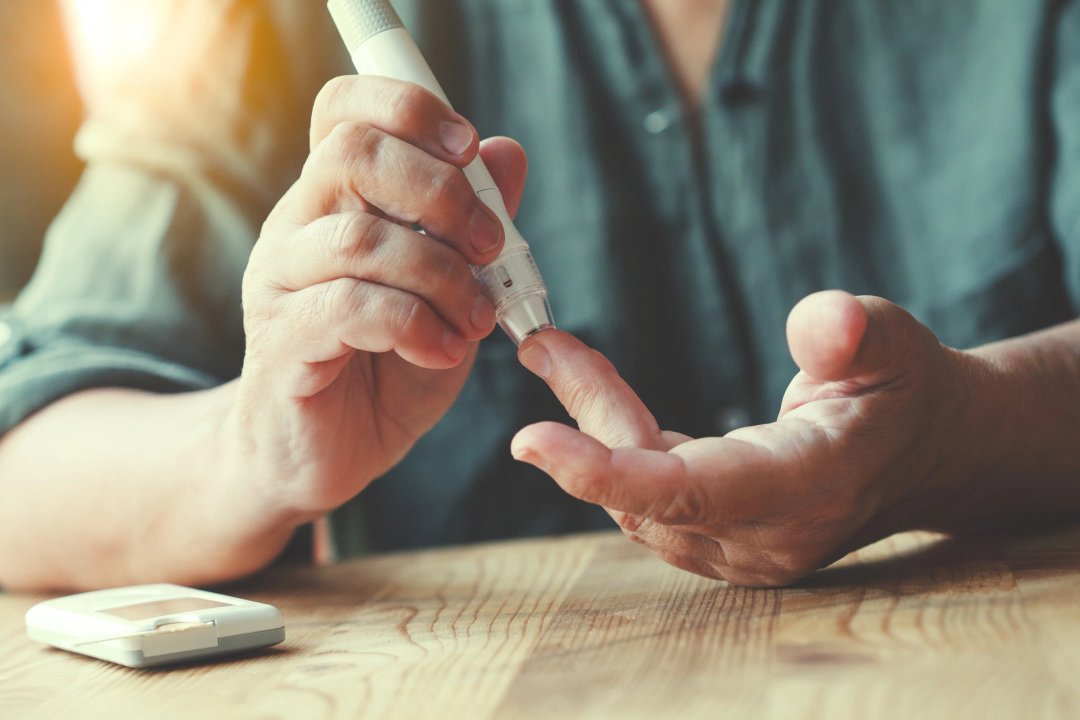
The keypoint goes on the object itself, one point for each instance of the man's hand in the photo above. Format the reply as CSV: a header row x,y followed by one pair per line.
x,y
867,442
360,328
360,332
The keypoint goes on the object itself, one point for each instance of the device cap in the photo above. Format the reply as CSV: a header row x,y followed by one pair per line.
x,y
526,315
357,20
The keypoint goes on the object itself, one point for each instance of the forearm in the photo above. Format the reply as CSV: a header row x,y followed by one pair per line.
x,y
111,487
1022,430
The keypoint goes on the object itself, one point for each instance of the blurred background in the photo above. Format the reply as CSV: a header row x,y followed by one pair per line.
x,y
39,114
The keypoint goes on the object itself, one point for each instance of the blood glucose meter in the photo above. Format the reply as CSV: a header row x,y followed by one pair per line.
x,y
152,625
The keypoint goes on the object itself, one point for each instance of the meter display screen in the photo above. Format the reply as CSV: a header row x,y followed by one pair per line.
x,y
170,606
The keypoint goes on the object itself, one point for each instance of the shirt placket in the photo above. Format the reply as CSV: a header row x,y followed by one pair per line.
x,y
704,318
699,187
761,199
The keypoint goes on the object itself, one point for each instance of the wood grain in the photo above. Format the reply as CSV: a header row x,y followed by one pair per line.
x,y
594,626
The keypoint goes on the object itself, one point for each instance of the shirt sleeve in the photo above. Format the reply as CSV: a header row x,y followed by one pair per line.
x,y
1065,119
196,124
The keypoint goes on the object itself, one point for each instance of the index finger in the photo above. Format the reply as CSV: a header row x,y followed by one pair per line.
x,y
591,390
404,110
705,483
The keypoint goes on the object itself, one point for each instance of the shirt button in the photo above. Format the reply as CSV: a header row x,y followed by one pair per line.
x,y
731,418
656,122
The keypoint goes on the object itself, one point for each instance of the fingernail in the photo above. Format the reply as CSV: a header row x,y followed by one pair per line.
x,y
483,314
524,453
485,230
536,358
455,137
453,344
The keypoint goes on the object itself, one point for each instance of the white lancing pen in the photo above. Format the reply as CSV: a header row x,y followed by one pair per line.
x,y
380,45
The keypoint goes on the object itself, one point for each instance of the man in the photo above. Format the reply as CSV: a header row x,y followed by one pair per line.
x,y
679,209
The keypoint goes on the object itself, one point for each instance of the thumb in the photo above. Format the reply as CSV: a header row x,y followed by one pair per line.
x,y
506,161
834,335
590,389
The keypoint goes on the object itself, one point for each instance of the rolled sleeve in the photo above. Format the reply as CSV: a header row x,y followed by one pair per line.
x,y
32,377
187,147
138,287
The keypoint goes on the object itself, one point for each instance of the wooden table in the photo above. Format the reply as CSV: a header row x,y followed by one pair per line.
x,y
593,626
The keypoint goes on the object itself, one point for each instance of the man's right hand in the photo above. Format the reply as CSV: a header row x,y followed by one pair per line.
x,y
360,329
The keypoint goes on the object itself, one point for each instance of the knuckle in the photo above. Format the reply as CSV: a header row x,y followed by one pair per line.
x,y
448,187
390,316
331,95
354,236
411,106
584,400
602,363
448,271
580,396
342,298
403,316
681,508
585,486
349,148
397,314
358,143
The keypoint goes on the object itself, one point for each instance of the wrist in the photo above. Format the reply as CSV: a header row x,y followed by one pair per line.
x,y
972,446
945,457
249,514
1015,434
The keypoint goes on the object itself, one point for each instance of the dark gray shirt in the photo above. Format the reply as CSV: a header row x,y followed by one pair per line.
x,y
924,151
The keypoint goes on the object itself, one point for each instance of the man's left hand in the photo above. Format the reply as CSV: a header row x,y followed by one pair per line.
x,y
869,441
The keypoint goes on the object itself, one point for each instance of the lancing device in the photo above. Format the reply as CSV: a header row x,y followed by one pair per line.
x,y
380,45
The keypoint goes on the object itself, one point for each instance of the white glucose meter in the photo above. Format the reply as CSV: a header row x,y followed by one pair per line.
x,y
152,625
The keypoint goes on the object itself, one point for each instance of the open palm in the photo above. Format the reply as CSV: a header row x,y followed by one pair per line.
x,y
855,452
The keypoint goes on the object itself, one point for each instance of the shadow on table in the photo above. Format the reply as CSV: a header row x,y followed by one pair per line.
x,y
1018,554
